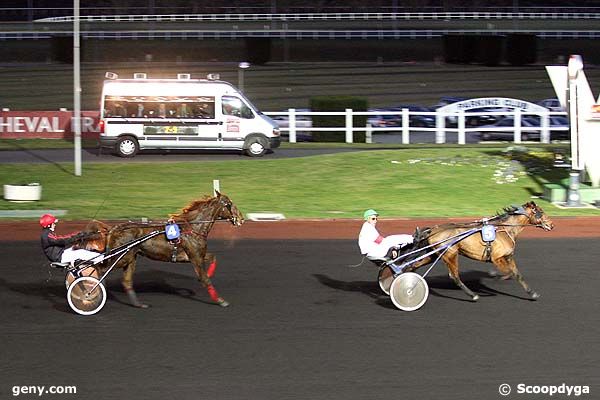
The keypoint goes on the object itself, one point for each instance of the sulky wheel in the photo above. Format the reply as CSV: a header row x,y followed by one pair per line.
x,y
86,295
385,279
72,275
409,291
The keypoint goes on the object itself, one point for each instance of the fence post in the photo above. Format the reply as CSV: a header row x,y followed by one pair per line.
x,y
292,125
517,121
440,124
545,123
461,127
349,134
405,126
368,134
440,132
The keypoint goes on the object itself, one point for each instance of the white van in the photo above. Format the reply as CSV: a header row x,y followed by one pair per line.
x,y
183,113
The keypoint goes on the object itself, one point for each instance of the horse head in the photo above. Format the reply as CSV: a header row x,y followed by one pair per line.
x,y
537,216
210,209
229,211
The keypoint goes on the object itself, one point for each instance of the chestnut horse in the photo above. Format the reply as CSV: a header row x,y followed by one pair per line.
x,y
195,221
500,251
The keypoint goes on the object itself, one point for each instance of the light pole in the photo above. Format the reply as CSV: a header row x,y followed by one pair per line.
x,y
574,66
241,67
76,121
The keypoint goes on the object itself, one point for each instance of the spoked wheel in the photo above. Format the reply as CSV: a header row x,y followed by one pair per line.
x,y
385,279
409,291
72,275
86,295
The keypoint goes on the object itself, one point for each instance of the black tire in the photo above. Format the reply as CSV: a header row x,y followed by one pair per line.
x,y
256,147
127,147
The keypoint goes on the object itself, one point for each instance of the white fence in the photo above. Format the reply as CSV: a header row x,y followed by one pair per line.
x,y
377,16
455,122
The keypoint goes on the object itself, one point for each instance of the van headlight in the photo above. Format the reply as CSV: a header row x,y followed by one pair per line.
x,y
275,132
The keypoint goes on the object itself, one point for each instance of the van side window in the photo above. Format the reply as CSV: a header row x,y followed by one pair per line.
x,y
234,106
160,107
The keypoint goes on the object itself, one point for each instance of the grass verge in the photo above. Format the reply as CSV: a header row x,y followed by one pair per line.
x,y
415,182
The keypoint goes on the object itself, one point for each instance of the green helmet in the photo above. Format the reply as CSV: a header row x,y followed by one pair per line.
x,y
369,212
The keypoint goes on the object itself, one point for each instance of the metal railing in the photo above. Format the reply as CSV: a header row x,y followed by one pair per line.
x,y
367,16
293,34
455,122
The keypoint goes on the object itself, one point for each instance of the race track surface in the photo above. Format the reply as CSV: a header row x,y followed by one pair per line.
x,y
303,325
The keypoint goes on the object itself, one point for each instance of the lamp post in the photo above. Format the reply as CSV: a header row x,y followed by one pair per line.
x,y
241,67
574,66
76,121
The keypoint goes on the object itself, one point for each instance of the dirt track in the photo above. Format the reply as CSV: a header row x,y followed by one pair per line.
x,y
320,229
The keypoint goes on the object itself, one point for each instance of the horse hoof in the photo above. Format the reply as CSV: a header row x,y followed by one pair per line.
x,y
223,303
475,298
535,296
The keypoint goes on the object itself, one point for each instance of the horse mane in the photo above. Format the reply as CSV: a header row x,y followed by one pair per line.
x,y
506,211
499,216
194,206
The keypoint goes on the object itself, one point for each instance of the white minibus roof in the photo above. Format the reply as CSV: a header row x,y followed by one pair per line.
x,y
166,87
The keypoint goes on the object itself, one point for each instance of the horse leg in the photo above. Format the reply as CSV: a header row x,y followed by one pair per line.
x,y
127,283
197,261
508,266
451,260
211,260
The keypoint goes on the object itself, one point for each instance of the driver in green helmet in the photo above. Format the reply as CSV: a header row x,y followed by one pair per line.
x,y
372,243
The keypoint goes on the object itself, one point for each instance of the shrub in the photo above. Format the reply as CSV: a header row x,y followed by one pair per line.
x,y
338,103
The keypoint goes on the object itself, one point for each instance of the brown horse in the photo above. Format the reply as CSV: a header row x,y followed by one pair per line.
x,y
96,241
500,251
196,220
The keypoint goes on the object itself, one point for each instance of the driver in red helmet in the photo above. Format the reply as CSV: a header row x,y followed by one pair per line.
x,y
60,248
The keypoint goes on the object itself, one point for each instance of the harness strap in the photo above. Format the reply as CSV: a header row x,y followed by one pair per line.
x,y
508,234
174,243
487,251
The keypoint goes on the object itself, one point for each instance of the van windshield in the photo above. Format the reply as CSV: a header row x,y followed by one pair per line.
x,y
232,105
159,107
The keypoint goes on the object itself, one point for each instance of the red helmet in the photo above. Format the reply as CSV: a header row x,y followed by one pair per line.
x,y
47,220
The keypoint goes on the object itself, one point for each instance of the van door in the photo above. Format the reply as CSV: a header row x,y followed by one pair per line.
x,y
238,121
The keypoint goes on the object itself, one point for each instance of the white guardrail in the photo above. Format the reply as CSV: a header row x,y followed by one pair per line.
x,y
445,122
378,16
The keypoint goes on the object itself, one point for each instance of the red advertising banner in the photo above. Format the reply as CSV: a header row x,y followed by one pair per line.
x,y
46,124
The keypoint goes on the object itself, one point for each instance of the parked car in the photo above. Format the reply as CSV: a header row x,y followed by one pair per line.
x,y
529,130
303,125
551,104
383,120
559,126
395,120
444,101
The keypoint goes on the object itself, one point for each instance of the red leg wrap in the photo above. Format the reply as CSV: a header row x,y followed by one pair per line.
x,y
212,292
211,269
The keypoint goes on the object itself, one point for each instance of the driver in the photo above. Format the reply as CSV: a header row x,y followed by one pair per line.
x,y
60,248
373,244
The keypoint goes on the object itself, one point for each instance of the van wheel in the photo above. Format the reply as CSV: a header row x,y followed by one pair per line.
x,y
256,147
127,146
